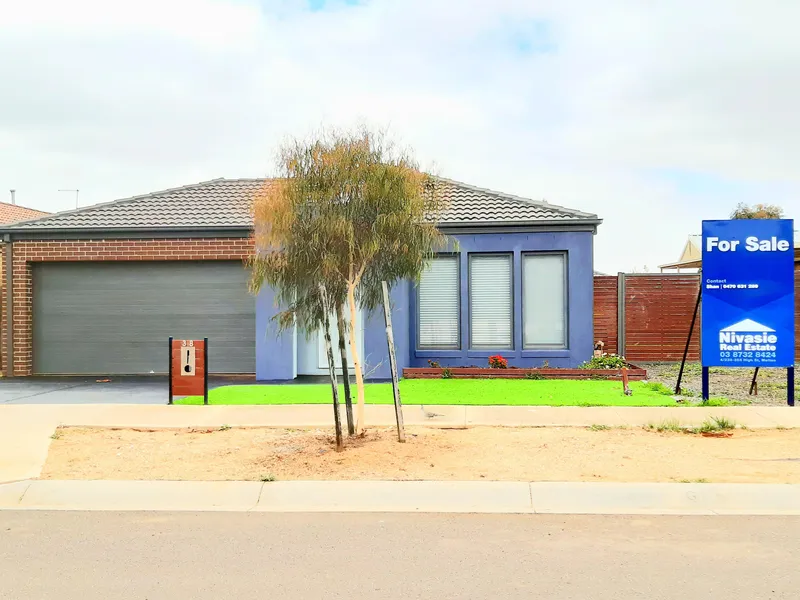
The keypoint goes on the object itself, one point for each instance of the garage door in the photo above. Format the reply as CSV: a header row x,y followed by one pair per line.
x,y
116,318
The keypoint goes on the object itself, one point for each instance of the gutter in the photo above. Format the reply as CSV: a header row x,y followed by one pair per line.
x,y
38,233
536,223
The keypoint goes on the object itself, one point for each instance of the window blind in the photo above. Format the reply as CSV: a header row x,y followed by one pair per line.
x,y
491,303
438,304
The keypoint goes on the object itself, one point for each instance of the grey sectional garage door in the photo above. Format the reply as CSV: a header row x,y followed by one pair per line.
x,y
115,318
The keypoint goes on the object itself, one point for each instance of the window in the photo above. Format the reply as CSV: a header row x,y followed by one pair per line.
x,y
490,301
544,300
438,304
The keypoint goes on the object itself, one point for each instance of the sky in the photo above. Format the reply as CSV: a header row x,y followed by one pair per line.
x,y
652,114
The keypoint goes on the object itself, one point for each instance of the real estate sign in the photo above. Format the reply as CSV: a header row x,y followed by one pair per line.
x,y
748,293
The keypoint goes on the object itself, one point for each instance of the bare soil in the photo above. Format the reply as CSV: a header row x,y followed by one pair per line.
x,y
733,384
480,453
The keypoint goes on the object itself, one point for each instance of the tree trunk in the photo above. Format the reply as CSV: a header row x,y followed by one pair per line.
x,y
331,370
351,301
348,400
398,405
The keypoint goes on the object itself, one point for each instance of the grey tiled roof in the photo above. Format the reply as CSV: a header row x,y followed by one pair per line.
x,y
223,203
473,205
226,204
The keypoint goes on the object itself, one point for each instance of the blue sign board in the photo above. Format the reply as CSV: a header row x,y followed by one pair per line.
x,y
748,293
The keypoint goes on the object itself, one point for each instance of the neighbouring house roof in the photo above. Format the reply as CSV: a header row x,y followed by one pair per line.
x,y
692,257
692,252
12,213
226,204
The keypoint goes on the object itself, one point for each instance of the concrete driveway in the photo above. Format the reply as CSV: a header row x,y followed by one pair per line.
x,y
93,390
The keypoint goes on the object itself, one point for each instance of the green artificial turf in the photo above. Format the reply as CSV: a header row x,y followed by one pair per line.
x,y
509,392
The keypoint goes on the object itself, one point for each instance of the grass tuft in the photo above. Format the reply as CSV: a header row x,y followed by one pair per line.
x,y
714,425
597,427
719,402
671,425
658,388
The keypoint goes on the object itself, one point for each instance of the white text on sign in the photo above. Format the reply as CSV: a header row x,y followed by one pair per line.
x,y
751,244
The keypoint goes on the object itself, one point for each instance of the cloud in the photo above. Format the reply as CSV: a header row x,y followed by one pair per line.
x,y
653,115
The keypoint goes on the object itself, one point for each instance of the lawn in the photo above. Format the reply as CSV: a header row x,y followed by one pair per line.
x,y
508,392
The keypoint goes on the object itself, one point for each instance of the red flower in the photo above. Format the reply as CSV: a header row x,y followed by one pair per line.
x,y
497,362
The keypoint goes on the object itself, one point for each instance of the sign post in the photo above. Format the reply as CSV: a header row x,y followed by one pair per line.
x,y
188,368
748,296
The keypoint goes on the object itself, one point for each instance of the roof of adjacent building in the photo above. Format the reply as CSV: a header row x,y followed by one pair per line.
x,y
692,256
12,213
227,204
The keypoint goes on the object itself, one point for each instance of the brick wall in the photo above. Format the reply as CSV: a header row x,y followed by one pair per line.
x,y
658,313
25,253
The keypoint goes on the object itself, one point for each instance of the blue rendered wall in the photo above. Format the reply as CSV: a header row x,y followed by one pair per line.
x,y
375,346
579,248
276,355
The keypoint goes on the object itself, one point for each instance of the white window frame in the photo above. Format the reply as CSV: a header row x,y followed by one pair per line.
x,y
510,257
565,344
420,346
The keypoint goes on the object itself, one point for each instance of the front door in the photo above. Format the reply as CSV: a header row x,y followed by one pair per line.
x,y
323,360
311,352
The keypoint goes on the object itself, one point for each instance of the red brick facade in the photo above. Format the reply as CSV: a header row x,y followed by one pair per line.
x,y
27,252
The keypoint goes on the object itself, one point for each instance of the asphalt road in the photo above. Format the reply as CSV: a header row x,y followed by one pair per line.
x,y
155,556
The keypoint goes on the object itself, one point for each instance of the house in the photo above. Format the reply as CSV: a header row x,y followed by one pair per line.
x,y
101,288
13,213
691,255
691,259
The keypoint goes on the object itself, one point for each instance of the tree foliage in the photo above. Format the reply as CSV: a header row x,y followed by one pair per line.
x,y
349,209
757,211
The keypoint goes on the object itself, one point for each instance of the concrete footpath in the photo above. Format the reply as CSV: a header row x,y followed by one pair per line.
x,y
25,429
405,496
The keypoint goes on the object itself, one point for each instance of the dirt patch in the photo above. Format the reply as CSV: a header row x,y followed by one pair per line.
x,y
480,453
733,384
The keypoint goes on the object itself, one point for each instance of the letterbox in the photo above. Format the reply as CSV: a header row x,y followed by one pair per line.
x,y
188,368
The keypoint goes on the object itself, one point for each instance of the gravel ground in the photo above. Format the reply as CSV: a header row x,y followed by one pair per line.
x,y
732,384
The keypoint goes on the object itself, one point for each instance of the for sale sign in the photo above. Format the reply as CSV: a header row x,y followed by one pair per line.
x,y
748,293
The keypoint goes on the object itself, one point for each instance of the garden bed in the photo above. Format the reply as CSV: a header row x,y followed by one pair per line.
x,y
634,373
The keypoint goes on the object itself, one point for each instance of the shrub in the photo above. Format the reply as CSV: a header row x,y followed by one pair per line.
x,y
446,373
534,375
497,362
433,364
605,361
